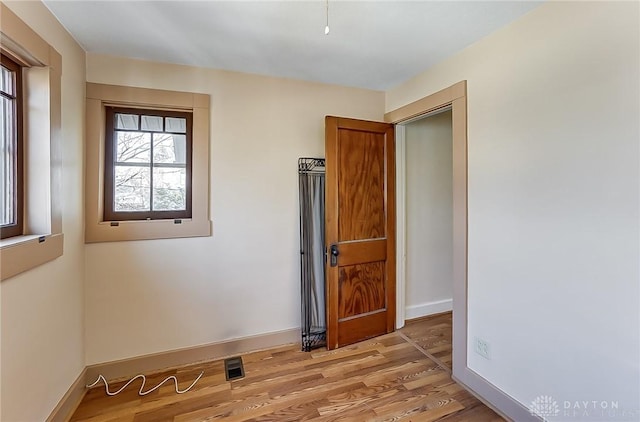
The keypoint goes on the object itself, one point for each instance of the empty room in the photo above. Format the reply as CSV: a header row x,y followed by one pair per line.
x,y
320,210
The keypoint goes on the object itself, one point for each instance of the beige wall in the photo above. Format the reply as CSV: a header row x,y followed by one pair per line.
x,y
152,296
553,103
42,310
429,215
553,199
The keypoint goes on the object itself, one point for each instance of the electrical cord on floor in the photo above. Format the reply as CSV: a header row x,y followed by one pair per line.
x,y
144,379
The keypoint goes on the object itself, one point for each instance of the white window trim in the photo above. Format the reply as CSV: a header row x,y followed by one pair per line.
x,y
43,239
98,230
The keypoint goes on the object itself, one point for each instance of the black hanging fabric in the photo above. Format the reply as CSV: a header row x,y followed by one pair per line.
x,y
311,183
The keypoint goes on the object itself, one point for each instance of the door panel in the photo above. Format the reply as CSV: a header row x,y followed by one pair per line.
x,y
353,330
360,222
362,289
361,252
361,180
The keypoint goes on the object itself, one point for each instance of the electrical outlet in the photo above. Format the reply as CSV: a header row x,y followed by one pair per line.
x,y
482,348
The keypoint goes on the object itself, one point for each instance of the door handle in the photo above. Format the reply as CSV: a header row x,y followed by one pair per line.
x,y
334,255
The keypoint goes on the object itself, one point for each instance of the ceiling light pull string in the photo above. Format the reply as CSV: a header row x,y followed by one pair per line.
x,y
326,28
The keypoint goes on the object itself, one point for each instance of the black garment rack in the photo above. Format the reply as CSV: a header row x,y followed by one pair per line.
x,y
311,182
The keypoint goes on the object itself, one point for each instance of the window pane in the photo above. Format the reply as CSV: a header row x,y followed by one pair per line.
x,y
127,121
7,163
175,124
133,147
169,189
150,165
169,148
152,123
6,81
132,188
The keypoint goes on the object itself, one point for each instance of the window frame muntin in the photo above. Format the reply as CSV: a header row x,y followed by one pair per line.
x,y
109,214
17,228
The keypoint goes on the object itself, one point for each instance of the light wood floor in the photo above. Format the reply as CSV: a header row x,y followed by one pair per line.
x,y
389,378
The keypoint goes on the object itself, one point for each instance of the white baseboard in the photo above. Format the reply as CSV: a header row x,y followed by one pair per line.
x,y
429,308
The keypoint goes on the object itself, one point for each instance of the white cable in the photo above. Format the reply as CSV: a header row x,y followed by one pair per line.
x,y
144,379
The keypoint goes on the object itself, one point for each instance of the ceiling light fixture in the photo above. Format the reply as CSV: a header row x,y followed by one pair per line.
x,y
326,28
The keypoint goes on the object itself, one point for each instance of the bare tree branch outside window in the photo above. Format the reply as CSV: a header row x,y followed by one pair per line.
x,y
150,163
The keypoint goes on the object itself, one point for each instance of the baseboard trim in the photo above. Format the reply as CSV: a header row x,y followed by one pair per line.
x,y
127,368
429,308
496,399
70,401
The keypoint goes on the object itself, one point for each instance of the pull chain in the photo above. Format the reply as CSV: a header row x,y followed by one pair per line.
x,y
326,28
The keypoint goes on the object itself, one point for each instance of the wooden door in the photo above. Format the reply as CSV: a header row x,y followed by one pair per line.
x,y
360,230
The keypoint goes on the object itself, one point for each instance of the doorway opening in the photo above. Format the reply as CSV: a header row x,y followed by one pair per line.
x,y
427,164
429,215
455,99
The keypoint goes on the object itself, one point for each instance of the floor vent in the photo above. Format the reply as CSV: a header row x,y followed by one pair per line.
x,y
233,368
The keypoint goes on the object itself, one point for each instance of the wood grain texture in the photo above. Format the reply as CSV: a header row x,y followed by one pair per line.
x,y
360,220
390,203
362,327
433,335
382,379
362,289
362,252
331,227
361,185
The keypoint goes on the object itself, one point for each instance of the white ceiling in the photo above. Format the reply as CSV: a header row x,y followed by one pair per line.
x,y
372,44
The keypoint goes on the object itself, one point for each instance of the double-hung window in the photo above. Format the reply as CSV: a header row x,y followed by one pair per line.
x,y
147,164
11,172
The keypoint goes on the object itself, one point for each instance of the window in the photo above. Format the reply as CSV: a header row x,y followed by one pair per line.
x,y
37,69
147,164
11,182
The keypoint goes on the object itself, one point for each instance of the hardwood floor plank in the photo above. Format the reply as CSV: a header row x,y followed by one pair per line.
x,y
388,378
434,335
477,413
427,380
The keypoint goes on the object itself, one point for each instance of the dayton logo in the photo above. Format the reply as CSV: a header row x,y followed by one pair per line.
x,y
544,406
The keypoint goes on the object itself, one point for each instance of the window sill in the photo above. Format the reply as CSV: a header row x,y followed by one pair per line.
x,y
21,253
146,230
11,241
